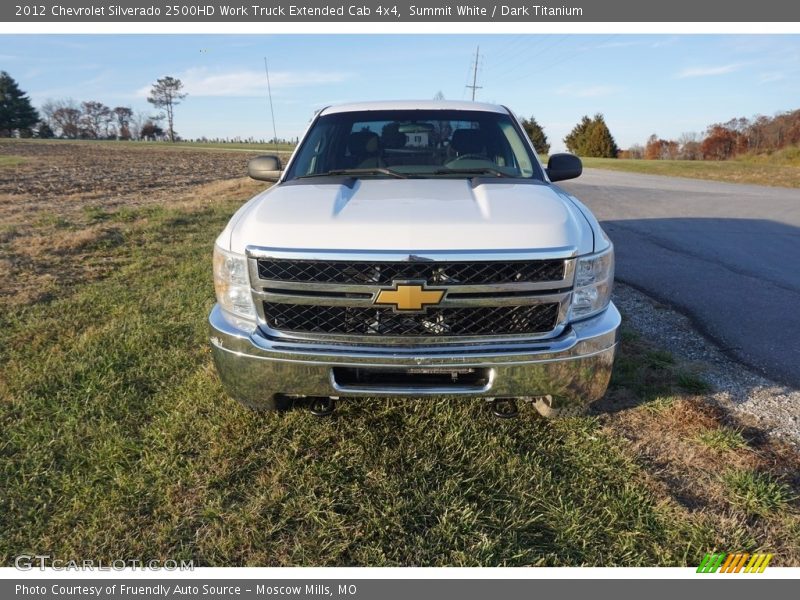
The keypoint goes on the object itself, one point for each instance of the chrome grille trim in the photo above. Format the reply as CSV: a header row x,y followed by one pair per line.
x,y
268,296
524,293
451,273
438,321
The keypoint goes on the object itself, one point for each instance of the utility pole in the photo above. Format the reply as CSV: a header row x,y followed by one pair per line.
x,y
271,110
474,85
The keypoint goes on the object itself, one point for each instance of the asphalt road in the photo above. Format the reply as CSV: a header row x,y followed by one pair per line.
x,y
726,255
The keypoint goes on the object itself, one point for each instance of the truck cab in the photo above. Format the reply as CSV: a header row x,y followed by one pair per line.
x,y
414,249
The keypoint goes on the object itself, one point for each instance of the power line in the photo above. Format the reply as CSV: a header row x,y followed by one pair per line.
x,y
544,45
510,48
475,85
271,109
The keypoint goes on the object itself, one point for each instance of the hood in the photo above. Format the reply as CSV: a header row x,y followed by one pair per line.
x,y
411,215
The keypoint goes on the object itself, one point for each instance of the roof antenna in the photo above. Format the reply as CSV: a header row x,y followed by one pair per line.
x,y
271,110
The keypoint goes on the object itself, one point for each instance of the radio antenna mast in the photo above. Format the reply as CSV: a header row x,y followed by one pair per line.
x,y
271,109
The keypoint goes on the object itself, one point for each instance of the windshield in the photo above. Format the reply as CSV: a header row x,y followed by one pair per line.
x,y
415,143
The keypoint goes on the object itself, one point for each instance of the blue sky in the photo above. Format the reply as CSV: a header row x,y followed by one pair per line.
x,y
664,84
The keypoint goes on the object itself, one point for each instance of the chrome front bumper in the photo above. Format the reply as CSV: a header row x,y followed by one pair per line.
x,y
564,374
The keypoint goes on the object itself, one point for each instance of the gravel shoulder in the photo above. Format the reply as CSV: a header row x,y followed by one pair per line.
x,y
772,407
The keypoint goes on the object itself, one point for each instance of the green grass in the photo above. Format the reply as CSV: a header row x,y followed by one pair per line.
x,y
780,171
11,161
659,359
722,439
692,383
661,404
119,442
756,493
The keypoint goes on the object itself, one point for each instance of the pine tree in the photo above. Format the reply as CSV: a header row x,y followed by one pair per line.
x,y
576,139
591,137
536,134
601,143
166,93
17,114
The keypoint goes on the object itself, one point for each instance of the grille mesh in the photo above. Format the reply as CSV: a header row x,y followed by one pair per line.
x,y
384,273
498,320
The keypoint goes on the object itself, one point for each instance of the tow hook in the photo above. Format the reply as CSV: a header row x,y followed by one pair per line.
x,y
322,406
504,408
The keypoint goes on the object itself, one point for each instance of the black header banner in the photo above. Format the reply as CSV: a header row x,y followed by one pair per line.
x,y
392,11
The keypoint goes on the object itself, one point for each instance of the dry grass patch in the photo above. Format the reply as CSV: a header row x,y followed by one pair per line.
x,y
715,468
47,252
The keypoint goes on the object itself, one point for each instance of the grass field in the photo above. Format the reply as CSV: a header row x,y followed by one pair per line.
x,y
145,145
782,169
119,442
265,148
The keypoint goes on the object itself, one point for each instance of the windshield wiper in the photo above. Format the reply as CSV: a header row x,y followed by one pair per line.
x,y
472,171
358,173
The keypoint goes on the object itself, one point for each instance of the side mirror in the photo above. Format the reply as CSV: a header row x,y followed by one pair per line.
x,y
265,168
564,166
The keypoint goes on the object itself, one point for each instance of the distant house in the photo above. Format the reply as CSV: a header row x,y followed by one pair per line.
x,y
417,139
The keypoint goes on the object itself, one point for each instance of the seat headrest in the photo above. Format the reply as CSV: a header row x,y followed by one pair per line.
x,y
468,141
361,143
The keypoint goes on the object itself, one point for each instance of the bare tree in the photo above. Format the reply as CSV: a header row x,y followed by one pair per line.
x,y
689,143
636,151
123,115
166,94
67,118
137,121
95,119
47,110
61,116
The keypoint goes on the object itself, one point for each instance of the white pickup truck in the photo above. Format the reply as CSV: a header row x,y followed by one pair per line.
x,y
414,249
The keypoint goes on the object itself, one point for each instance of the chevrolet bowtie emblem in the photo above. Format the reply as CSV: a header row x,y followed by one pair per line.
x,y
409,296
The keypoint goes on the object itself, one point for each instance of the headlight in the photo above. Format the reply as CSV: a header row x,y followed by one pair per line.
x,y
232,284
594,278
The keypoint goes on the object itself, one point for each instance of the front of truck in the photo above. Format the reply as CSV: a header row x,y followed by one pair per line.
x,y
415,249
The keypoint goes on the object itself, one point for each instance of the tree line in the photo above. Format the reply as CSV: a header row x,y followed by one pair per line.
x,y
90,119
591,137
723,141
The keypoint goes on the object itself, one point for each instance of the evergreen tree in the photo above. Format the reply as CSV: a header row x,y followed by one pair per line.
x,y
576,139
591,137
536,134
601,143
17,114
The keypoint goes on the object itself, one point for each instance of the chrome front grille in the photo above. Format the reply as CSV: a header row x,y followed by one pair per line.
x,y
330,296
435,273
381,321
